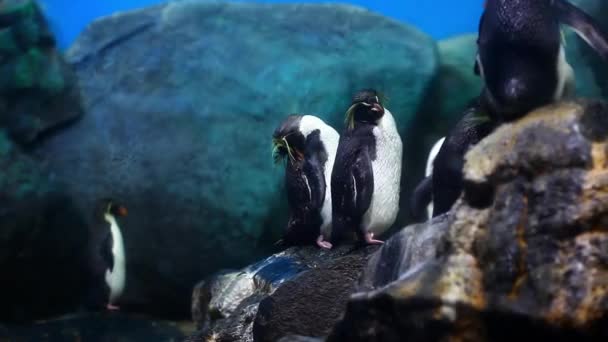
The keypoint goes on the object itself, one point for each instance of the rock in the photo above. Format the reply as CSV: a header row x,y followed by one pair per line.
x,y
458,84
97,328
591,70
181,100
38,90
42,241
296,338
260,302
524,255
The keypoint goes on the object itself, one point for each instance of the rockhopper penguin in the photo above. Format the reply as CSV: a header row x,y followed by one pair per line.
x,y
109,258
308,147
366,177
522,62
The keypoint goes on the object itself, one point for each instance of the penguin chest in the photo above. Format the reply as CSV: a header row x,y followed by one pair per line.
x,y
115,276
387,179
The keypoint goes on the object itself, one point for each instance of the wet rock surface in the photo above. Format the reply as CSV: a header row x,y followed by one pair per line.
x,y
42,241
301,291
180,105
98,328
38,90
524,252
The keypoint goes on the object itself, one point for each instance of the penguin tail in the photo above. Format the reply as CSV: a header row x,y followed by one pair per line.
x,y
421,198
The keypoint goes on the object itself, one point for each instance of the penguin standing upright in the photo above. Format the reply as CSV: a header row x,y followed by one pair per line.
x,y
108,252
423,194
366,177
522,62
308,145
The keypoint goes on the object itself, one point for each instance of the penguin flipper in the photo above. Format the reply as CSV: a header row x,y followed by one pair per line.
x,y
421,198
316,182
584,26
106,252
363,183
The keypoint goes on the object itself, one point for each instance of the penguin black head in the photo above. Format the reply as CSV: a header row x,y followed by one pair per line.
x,y
518,48
366,107
109,206
288,141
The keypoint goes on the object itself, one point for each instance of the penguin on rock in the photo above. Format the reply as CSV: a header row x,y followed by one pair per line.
x,y
308,146
366,177
521,60
109,261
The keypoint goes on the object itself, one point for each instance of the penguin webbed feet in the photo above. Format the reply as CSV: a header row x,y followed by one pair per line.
x,y
369,239
323,244
112,307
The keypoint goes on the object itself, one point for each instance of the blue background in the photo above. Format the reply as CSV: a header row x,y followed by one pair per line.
x,y
439,18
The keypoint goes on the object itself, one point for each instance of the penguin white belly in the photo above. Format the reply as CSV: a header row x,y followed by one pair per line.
x,y
116,277
386,168
330,141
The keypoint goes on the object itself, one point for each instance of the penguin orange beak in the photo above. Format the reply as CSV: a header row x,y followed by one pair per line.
x,y
122,211
378,108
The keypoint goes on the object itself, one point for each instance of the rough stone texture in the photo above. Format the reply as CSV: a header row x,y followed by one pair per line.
x,y
404,251
525,254
38,90
97,328
302,290
181,101
42,241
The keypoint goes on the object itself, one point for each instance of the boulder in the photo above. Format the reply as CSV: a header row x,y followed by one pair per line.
x,y
300,291
43,250
525,249
181,100
38,90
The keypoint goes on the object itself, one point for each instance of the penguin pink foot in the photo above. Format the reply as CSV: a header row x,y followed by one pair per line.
x,y
323,244
369,239
111,307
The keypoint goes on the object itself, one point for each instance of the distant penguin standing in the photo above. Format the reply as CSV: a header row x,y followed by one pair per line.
x,y
109,247
366,177
308,146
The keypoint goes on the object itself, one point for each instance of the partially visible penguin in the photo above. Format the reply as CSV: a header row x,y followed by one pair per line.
x,y
308,145
521,57
423,194
109,261
522,62
366,177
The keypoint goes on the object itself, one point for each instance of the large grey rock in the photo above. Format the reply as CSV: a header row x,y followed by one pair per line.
x,y
181,100
525,250
43,241
301,291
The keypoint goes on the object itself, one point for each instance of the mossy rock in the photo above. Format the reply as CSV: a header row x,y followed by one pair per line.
x,y
27,32
27,68
13,11
52,81
8,44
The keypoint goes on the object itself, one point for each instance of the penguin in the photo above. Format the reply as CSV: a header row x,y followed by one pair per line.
x,y
109,251
308,146
424,191
366,177
521,60
521,56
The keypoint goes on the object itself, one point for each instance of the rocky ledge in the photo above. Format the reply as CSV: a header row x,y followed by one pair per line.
x,y
522,255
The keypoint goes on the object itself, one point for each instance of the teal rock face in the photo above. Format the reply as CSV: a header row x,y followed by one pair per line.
x,y
181,102
42,241
38,91
591,70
